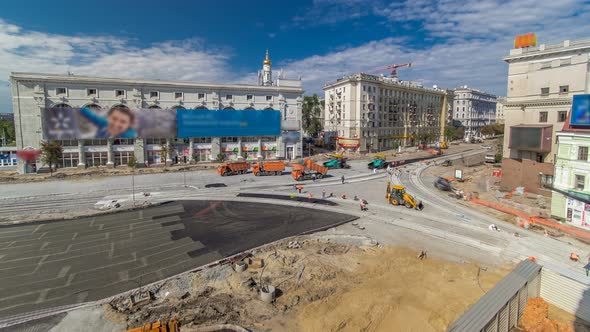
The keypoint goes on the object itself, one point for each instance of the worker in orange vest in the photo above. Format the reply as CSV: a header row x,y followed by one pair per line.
x,y
299,187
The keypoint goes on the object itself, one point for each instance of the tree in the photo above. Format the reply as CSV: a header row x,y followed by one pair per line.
x,y
451,133
311,115
51,152
487,130
167,151
7,132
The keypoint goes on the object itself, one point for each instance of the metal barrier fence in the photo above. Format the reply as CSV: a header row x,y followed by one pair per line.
x,y
501,307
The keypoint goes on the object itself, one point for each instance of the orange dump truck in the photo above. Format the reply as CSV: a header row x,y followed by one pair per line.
x,y
268,168
307,170
239,167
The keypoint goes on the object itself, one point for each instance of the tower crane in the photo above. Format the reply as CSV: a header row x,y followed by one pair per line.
x,y
392,67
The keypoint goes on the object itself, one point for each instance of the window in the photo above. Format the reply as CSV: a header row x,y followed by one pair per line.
x,y
544,91
583,153
580,180
154,94
68,160
120,93
565,62
561,116
547,180
564,88
201,96
542,116
268,98
91,92
123,157
539,157
546,64
160,141
229,97
202,140
123,141
178,95
61,91
249,97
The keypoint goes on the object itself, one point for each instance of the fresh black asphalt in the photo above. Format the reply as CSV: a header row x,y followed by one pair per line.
x,y
50,264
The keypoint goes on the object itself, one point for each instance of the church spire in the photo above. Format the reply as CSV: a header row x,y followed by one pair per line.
x,y
266,60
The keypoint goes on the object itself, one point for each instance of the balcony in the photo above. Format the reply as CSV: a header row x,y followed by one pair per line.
x,y
535,138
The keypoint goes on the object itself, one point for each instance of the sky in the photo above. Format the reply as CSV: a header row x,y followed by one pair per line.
x,y
449,43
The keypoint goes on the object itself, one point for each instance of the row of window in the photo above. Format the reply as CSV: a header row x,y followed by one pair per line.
x,y
162,141
561,116
563,89
92,92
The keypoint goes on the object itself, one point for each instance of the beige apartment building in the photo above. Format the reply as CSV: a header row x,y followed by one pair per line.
x,y
541,82
381,112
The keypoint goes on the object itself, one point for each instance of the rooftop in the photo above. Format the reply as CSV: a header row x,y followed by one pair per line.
x,y
41,77
546,49
384,80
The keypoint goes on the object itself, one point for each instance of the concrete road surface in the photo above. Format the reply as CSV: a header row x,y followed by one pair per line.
x,y
53,264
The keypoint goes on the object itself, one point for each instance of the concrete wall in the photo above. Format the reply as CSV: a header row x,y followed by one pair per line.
x,y
525,172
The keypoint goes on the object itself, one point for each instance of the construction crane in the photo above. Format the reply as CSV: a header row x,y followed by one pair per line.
x,y
392,67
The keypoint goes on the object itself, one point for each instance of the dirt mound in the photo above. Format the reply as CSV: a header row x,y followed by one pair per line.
x,y
535,318
321,286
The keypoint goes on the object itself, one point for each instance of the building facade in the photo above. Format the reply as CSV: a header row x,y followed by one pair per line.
x,y
34,93
473,109
500,101
572,177
7,117
381,112
541,82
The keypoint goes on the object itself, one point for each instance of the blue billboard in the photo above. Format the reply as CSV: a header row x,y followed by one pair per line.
x,y
207,123
581,111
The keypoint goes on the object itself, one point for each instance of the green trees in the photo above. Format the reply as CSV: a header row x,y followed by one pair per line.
x,y
311,115
7,133
492,129
51,152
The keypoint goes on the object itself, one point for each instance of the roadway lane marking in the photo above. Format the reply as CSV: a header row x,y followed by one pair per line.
x,y
64,271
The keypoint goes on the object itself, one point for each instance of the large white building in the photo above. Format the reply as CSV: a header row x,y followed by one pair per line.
x,y
541,82
34,93
381,112
473,109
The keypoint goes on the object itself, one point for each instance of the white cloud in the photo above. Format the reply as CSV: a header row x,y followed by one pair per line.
x,y
466,40
32,51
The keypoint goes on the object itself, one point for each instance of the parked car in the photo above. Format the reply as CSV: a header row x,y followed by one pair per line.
x,y
490,158
486,147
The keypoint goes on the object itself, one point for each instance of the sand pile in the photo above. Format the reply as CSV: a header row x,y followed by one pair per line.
x,y
322,286
535,318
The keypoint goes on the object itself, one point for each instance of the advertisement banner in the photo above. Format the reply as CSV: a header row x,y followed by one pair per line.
x,y
581,111
349,142
117,122
207,123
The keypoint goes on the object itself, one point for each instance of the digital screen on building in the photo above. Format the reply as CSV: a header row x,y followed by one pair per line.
x,y
208,123
580,111
525,138
117,122
291,137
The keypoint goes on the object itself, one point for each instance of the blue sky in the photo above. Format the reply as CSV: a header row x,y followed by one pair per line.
x,y
450,43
